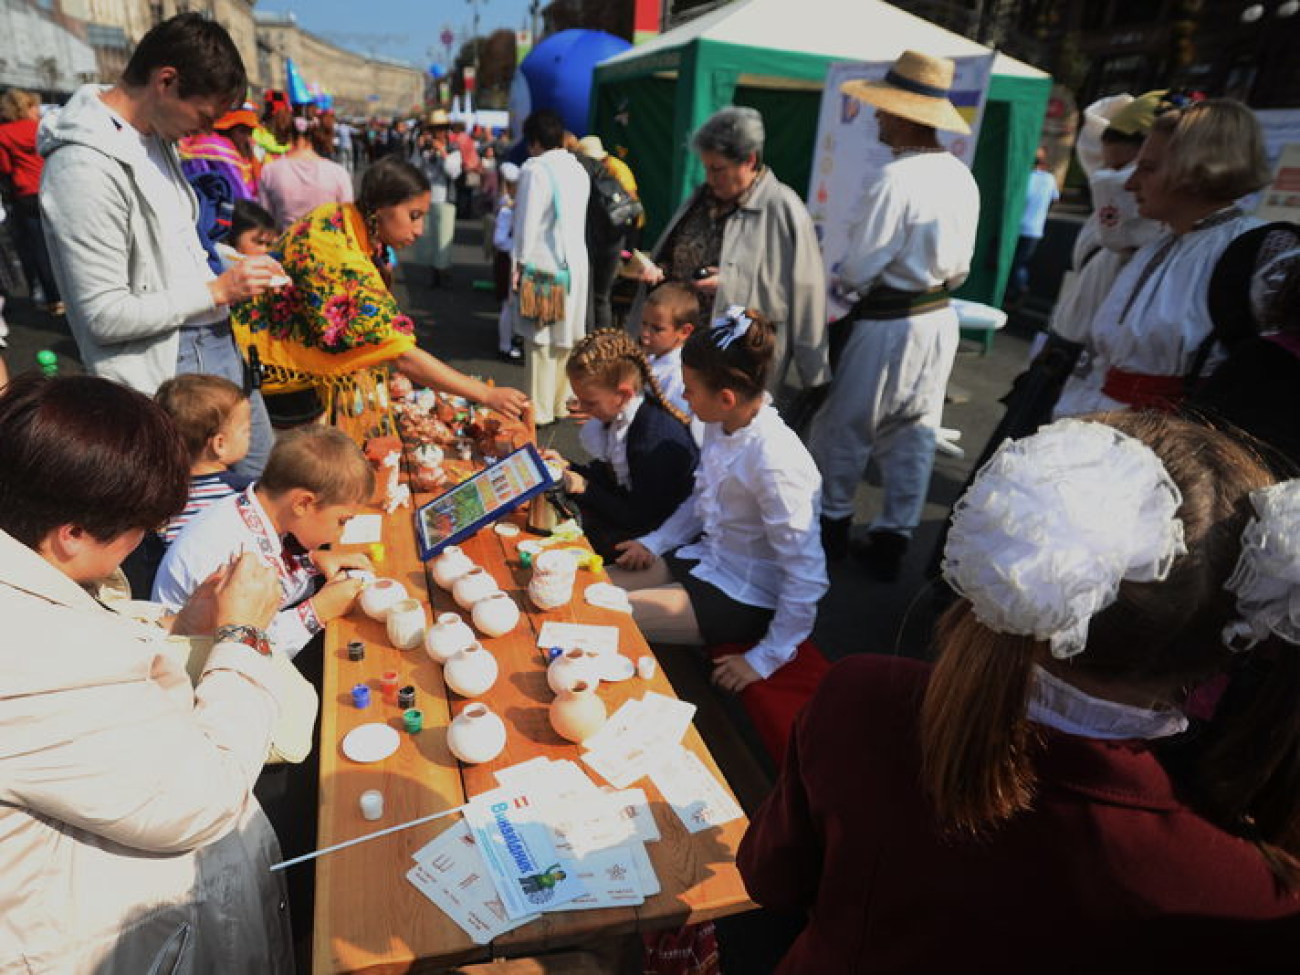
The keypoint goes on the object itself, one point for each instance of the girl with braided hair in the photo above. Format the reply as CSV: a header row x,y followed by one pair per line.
x,y
643,454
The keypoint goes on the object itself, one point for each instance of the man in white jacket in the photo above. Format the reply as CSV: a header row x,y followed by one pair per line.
x,y
911,248
120,218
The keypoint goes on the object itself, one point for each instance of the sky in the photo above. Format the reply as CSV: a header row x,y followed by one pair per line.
x,y
406,29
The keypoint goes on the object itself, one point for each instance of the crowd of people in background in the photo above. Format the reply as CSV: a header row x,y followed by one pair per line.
x,y
1106,749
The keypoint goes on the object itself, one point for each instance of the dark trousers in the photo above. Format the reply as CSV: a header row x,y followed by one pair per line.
x,y
605,257
29,240
1019,284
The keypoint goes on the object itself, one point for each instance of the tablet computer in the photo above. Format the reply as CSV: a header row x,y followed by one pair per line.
x,y
458,513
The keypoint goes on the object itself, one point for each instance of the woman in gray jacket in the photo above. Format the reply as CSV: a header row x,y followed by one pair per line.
x,y
745,238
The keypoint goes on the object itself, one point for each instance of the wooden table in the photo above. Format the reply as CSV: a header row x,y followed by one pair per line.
x,y
369,918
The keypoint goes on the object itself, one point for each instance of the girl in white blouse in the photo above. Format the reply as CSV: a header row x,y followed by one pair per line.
x,y
740,561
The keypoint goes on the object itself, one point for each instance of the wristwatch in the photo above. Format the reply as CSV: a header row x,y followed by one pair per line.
x,y
250,636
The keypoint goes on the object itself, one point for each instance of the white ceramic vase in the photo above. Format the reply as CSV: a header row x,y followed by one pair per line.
x,y
476,735
450,565
553,575
496,614
471,672
473,586
577,714
405,623
572,667
448,635
381,596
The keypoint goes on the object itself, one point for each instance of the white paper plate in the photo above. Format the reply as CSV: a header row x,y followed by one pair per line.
x,y
615,668
371,742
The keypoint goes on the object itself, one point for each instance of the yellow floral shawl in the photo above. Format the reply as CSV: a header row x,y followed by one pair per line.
x,y
336,320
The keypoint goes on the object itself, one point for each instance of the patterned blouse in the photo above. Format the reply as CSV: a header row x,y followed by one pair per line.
x,y
696,241
335,319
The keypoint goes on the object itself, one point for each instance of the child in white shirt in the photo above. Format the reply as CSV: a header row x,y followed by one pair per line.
x,y
315,480
667,321
740,561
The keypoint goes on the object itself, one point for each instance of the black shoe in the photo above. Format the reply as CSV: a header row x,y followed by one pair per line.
x,y
514,355
835,537
881,554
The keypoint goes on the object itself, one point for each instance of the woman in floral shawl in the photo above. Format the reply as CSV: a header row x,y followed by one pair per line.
x,y
336,327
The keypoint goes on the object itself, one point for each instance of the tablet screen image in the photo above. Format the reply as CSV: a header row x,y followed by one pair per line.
x,y
459,512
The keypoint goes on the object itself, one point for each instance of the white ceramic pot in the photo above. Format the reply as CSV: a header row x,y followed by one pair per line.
x,y
476,735
572,667
471,672
450,565
577,714
473,586
496,614
553,575
405,623
447,637
381,596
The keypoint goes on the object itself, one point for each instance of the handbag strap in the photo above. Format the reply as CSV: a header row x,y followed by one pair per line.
x,y
559,217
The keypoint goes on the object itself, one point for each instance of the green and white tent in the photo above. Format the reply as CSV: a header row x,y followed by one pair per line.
x,y
773,56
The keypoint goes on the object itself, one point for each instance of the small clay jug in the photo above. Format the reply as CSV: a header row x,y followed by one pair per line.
x,y
496,614
405,622
447,637
476,735
450,565
381,596
473,586
471,672
571,667
577,714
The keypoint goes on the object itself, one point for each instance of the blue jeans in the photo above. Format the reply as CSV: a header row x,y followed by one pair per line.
x,y
211,349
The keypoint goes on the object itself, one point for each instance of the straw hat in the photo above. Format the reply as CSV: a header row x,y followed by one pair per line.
x,y
591,147
1137,117
916,88
439,118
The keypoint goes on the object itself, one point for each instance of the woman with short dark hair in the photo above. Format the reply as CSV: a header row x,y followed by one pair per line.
x,y
132,841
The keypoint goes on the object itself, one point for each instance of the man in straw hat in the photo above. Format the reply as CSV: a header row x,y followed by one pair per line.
x,y
912,245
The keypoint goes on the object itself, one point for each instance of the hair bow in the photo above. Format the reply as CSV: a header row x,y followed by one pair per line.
x,y
732,325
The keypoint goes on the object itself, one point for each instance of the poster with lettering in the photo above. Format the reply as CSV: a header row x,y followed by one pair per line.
x,y
519,851
848,153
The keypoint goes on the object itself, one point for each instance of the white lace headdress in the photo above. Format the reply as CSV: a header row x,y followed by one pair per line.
x,y
1266,581
1052,525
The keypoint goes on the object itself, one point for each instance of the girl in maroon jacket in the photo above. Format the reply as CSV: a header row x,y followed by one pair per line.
x,y
1042,799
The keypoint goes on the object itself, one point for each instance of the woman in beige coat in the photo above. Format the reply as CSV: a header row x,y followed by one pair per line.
x,y
129,838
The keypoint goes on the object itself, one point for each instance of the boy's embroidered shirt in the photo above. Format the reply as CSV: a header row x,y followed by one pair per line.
x,y
230,526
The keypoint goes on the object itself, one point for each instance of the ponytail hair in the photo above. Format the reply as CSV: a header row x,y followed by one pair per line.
x,y
609,357
734,353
